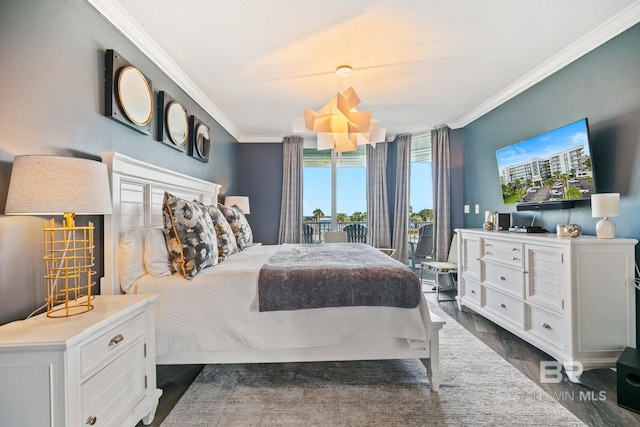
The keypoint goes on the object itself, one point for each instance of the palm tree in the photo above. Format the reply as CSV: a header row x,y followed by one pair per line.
x,y
317,213
358,216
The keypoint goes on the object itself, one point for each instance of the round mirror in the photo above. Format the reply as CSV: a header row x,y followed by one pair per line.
x,y
177,123
134,95
202,140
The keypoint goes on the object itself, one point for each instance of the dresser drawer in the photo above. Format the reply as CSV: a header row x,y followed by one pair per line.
x,y
506,278
546,326
504,306
116,389
501,251
110,344
473,291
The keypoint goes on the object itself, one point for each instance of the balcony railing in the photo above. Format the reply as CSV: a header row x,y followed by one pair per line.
x,y
314,230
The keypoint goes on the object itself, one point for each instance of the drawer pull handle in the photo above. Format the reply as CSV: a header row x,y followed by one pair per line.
x,y
472,291
502,305
502,278
515,249
488,253
91,420
116,340
545,325
515,258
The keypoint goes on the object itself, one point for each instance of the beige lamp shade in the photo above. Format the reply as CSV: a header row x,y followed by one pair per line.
x,y
53,185
240,201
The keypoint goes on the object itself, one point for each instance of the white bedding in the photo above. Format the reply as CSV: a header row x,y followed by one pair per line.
x,y
217,310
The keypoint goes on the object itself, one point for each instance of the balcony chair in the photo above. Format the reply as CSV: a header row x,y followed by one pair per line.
x,y
449,267
307,233
423,249
356,233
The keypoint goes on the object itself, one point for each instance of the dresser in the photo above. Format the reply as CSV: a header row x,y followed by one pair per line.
x,y
96,368
574,299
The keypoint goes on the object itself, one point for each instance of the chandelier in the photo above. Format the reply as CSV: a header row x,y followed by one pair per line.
x,y
339,125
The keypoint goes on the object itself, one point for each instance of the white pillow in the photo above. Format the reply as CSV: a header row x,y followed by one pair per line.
x,y
156,255
130,263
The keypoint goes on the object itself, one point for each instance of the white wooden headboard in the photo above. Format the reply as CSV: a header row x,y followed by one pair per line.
x,y
137,193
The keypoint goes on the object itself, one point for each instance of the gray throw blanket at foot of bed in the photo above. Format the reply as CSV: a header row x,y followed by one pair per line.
x,y
335,275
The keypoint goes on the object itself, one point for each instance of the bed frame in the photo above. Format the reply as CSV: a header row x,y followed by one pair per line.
x,y
137,190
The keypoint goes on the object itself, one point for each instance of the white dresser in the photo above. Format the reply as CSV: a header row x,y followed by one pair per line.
x,y
572,298
96,368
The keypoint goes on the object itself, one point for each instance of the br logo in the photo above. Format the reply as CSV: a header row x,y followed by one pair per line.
x,y
551,371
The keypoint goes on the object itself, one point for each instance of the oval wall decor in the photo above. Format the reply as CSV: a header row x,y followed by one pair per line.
x,y
134,95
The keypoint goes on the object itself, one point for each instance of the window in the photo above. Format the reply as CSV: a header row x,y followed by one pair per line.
x,y
334,190
421,185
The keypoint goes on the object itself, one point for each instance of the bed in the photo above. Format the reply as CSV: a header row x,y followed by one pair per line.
x,y
201,323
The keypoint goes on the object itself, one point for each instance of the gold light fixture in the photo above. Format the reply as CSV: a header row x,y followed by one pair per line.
x,y
62,186
339,125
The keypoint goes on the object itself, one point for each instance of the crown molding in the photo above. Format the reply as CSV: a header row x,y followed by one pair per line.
x,y
620,22
257,139
130,29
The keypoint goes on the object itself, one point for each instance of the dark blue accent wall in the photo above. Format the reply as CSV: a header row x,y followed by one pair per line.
x,y
260,178
603,86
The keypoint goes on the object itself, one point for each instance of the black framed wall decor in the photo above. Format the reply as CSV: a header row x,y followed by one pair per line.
x,y
199,139
128,93
172,122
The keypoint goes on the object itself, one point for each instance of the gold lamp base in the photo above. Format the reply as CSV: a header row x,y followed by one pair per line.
x,y
69,265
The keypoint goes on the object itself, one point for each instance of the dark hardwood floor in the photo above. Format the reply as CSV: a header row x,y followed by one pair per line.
x,y
594,401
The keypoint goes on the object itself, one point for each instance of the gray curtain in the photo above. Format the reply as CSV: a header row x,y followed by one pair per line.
x,y
379,234
291,206
401,215
441,170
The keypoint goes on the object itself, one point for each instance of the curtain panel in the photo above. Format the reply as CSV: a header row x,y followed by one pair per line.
x,y
290,230
441,170
379,234
401,203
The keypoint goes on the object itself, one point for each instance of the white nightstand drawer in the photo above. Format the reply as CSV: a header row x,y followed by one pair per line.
x,y
505,306
546,326
116,389
109,345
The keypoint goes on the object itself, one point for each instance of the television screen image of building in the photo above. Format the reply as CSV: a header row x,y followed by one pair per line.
x,y
553,166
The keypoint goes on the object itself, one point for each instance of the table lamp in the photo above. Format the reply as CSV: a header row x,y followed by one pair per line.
x,y
68,186
240,201
605,205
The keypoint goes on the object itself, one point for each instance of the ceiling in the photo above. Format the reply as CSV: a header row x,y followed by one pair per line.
x,y
254,65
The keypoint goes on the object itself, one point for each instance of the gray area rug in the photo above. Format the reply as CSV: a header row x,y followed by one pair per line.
x,y
478,388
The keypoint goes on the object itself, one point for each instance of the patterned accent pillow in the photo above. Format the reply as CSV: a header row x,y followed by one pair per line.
x,y
226,240
190,235
239,225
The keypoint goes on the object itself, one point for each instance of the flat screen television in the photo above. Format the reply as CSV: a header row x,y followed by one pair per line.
x,y
549,171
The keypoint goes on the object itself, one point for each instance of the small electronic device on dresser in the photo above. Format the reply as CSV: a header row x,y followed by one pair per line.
x,y
528,229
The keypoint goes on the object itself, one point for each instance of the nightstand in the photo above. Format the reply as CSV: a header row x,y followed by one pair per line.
x,y
96,368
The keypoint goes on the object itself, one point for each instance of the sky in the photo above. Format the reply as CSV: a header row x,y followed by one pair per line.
x,y
351,187
542,146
